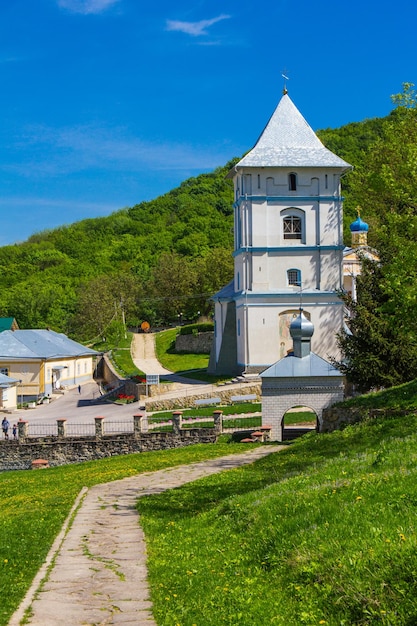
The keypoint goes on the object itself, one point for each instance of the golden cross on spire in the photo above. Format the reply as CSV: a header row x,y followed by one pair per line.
x,y
285,77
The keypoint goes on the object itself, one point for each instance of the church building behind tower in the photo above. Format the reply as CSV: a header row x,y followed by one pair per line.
x,y
288,247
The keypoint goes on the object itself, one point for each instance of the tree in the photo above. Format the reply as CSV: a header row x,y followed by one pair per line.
x,y
381,348
103,304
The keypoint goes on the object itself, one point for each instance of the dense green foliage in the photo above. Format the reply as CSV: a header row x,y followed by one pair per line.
x,y
160,261
155,261
382,349
323,532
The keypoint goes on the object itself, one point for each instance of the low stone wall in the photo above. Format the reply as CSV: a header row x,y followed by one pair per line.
x,y
19,455
197,344
224,393
336,418
112,378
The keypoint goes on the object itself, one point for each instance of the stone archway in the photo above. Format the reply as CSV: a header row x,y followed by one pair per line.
x,y
298,421
279,396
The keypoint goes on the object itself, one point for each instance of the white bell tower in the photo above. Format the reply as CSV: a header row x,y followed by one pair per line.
x,y
288,247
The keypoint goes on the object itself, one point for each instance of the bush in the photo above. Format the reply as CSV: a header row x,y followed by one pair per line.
x,y
192,329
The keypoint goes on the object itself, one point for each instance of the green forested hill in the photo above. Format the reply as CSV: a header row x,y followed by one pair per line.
x,y
164,258
154,260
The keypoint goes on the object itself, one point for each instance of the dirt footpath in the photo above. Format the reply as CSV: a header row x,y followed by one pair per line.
x,y
95,573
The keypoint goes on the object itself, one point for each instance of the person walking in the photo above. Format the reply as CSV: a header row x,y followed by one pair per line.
x,y
5,427
14,431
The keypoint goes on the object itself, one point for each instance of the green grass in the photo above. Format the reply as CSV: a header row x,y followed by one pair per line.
x,y
324,532
34,505
230,409
296,417
122,358
400,397
180,363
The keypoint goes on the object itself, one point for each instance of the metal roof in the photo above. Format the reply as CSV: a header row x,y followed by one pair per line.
x,y
40,344
8,323
226,293
6,381
288,141
295,367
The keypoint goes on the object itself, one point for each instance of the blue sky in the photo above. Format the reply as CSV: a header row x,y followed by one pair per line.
x,y
105,103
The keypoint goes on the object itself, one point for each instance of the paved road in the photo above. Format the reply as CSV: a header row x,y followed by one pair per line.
x,y
77,408
81,408
98,574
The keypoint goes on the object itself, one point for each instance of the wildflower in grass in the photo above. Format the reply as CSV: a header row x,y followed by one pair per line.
x,y
402,537
358,498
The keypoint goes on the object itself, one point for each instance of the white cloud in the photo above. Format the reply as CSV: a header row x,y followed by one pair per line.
x,y
86,7
195,29
60,151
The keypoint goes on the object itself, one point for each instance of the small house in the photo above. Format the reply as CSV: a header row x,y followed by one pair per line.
x,y
44,361
8,393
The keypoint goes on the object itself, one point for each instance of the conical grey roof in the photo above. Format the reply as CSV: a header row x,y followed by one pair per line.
x,y
288,141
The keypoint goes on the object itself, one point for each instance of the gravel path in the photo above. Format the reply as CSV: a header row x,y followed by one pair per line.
x,y
143,354
95,573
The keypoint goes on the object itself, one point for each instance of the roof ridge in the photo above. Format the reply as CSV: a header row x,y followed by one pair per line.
x,y
288,140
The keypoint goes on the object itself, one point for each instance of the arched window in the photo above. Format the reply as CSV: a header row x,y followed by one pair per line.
x,y
293,226
292,182
294,277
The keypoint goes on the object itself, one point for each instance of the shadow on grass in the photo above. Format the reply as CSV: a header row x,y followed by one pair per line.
x,y
309,452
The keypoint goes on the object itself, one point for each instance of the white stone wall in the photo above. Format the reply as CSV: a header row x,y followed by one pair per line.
x,y
266,336
280,395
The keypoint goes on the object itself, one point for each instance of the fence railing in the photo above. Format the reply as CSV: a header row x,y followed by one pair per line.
x,y
37,429
140,424
118,427
80,430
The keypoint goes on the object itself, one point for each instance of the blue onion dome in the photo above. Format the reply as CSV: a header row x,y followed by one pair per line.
x,y
359,226
301,327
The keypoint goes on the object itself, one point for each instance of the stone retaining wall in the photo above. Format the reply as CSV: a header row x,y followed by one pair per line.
x,y
224,393
197,344
335,418
19,455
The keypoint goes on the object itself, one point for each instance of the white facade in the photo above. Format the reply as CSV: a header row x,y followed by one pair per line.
x,y
288,239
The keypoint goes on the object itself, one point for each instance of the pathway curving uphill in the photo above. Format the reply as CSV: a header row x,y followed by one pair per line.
x,y
143,354
96,571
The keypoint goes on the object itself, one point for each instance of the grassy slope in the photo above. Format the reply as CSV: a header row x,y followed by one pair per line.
x,y
164,343
324,532
34,506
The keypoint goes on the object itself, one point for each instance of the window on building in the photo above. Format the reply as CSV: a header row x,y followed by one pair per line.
x,y
292,227
294,277
4,371
292,182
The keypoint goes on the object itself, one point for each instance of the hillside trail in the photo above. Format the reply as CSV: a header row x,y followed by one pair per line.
x,y
144,356
95,573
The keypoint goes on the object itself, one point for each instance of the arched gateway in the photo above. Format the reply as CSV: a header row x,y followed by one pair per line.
x,y
302,378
